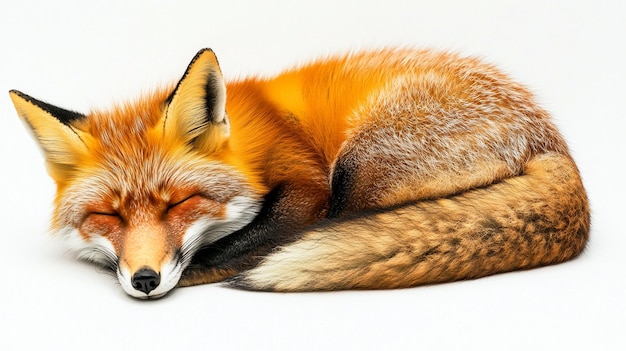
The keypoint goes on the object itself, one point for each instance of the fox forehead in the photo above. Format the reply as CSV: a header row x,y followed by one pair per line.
x,y
131,120
125,140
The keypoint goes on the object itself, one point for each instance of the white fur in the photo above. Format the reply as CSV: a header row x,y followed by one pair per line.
x,y
97,249
240,210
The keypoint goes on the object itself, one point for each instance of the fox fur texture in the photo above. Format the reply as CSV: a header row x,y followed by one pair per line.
x,y
380,169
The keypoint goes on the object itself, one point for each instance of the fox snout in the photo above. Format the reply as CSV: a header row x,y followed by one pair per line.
x,y
147,282
149,264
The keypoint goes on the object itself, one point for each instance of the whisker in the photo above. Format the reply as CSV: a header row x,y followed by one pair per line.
x,y
103,257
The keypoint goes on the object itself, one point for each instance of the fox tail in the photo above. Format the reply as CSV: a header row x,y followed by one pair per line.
x,y
538,218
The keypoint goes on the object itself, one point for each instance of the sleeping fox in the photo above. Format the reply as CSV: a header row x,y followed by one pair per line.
x,y
379,169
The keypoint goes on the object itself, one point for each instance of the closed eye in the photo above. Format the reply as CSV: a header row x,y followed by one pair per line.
x,y
110,214
172,205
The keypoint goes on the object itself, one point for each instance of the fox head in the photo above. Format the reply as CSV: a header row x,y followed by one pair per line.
x,y
142,187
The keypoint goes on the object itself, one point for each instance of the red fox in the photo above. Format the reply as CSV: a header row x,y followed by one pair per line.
x,y
380,169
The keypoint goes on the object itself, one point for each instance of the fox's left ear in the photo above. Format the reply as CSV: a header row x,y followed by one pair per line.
x,y
196,113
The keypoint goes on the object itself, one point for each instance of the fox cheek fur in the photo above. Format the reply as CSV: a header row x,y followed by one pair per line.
x,y
373,170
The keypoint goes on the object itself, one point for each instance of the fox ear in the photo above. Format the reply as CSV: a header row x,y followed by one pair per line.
x,y
61,142
196,113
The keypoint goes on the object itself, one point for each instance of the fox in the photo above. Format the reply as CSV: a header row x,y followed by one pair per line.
x,y
376,169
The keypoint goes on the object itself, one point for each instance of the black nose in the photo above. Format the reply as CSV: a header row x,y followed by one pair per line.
x,y
146,280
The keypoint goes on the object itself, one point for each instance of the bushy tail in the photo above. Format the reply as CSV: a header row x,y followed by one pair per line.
x,y
538,218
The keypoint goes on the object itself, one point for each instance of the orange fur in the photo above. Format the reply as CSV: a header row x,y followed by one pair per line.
x,y
407,162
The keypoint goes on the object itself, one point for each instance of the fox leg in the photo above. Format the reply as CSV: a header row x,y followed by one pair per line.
x,y
388,164
369,174
427,137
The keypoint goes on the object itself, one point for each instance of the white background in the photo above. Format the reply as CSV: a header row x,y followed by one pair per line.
x,y
84,54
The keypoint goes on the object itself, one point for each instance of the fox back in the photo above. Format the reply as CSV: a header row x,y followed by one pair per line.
x,y
377,169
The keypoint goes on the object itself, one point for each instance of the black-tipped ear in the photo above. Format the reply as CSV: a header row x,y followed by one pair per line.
x,y
196,111
61,143
64,116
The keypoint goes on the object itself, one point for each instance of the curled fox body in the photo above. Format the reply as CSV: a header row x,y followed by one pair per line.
x,y
379,169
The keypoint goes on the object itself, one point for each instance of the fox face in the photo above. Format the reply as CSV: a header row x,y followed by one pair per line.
x,y
141,188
